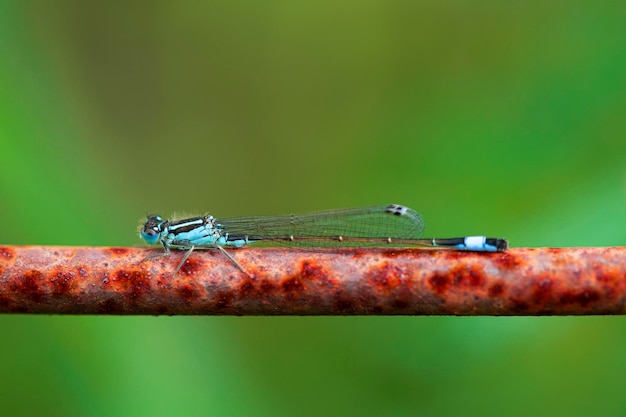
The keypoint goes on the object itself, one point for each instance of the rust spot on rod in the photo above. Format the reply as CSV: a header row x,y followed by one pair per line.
x,y
6,253
85,280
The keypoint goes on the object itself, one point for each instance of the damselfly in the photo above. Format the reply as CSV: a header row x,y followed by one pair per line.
x,y
386,225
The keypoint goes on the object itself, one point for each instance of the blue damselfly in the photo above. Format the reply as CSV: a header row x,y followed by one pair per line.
x,y
385,225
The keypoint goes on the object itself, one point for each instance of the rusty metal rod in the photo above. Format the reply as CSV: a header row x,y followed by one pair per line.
x,y
115,280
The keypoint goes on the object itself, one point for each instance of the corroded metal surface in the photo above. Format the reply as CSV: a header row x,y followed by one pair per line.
x,y
109,280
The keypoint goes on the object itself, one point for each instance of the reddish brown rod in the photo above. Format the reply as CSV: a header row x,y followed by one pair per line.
x,y
111,280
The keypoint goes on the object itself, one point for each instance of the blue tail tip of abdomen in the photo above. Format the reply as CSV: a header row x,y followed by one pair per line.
x,y
485,244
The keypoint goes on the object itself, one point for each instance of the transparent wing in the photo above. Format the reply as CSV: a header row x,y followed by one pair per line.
x,y
366,222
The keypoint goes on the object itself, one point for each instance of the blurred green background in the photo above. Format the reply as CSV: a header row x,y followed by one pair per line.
x,y
497,118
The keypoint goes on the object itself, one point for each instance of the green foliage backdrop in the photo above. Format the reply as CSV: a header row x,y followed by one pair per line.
x,y
498,118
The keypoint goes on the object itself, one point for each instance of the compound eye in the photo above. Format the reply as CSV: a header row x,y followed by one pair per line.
x,y
150,233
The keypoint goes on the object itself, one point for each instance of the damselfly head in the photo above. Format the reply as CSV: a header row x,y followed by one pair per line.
x,y
152,229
